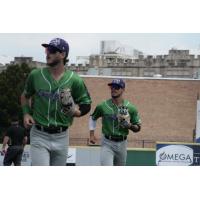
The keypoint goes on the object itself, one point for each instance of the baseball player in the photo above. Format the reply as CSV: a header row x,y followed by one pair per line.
x,y
118,117
58,96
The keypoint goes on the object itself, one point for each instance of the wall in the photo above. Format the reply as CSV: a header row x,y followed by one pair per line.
x,y
90,156
141,157
167,109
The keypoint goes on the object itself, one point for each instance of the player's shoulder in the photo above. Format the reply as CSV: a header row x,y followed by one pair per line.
x,y
106,104
130,105
73,75
102,104
35,72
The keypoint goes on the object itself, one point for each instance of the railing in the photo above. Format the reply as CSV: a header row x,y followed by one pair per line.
x,y
132,143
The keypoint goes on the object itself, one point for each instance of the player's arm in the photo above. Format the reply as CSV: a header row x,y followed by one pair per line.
x,y
6,139
26,107
135,122
82,110
92,123
5,142
135,127
92,127
81,97
26,101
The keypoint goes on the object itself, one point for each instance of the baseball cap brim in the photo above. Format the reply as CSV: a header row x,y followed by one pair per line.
x,y
49,45
110,84
120,85
46,45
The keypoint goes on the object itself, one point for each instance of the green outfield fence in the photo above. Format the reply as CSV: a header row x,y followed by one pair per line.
x,y
141,157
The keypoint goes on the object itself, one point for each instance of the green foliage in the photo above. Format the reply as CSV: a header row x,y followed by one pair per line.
x,y
12,82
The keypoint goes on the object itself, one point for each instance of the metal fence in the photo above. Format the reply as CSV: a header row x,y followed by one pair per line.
x,y
132,143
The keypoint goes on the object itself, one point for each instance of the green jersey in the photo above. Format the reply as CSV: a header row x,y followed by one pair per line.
x,y
109,111
45,92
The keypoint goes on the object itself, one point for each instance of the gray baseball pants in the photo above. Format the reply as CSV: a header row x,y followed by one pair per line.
x,y
113,153
48,149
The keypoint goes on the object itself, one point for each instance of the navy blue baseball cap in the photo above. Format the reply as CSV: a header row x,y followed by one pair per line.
x,y
118,82
59,44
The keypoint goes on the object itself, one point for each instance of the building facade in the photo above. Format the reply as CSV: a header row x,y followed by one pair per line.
x,y
177,64
29,61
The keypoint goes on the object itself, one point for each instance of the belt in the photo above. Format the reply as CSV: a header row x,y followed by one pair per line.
x,y
116,138
51,129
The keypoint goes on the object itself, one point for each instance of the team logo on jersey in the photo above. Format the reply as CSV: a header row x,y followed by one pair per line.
x,y
111,117
54,96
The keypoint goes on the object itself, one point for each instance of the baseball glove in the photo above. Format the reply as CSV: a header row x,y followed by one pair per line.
x,y
67,102
123,117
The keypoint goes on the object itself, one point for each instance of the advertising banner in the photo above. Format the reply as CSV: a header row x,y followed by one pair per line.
x,y
177,154
26,157
71,158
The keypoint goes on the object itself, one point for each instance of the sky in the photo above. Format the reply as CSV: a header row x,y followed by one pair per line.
x,y
85,44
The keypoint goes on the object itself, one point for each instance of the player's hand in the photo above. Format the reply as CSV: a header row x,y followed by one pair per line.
x,y
28,121
135,128
92,139
125,124
77,112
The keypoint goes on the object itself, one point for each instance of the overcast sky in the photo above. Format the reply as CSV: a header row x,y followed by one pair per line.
x,y
84,44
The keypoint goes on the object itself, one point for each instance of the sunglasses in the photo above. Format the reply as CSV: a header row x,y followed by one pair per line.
x,y
52,50
116,87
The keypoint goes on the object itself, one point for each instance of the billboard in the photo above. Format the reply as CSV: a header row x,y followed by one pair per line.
x,y
177,154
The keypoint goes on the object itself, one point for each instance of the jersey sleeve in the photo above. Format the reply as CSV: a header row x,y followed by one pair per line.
x,y
80,93
29,85
134,116
97,112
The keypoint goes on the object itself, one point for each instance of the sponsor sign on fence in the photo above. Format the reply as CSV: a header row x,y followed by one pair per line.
x,y
177,154
71,157
26,157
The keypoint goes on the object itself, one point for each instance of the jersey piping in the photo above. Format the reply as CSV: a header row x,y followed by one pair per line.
x,y
49,103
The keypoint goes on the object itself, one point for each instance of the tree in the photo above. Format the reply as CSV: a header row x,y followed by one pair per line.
x,y
12,82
